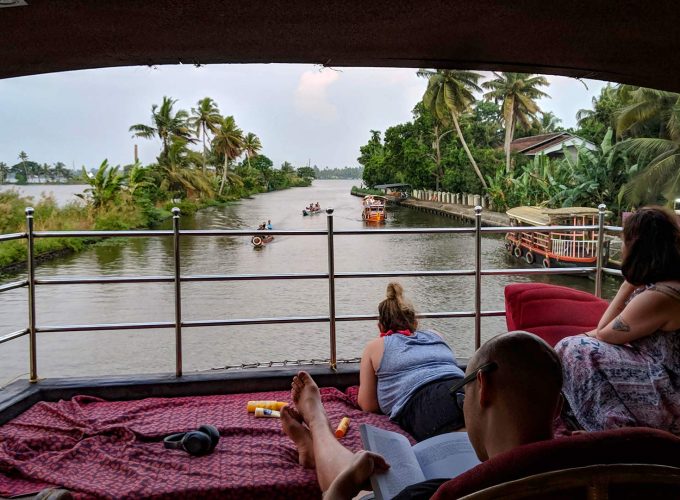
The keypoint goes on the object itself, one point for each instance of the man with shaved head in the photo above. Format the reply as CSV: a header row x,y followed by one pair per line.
x,y
510,397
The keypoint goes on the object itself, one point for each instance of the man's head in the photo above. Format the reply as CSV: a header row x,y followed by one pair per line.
x,y
515,394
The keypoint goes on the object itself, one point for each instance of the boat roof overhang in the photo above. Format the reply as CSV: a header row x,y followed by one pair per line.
x,y
618,41
541,216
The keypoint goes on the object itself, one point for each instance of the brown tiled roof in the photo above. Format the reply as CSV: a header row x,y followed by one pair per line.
x,y
535,141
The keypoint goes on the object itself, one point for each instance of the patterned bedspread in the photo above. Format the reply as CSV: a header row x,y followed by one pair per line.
x,y
114,449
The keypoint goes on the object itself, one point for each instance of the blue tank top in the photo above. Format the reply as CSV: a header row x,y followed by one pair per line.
x,y
408,363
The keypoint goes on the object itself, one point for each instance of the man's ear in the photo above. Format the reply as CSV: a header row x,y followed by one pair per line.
x,y
484,390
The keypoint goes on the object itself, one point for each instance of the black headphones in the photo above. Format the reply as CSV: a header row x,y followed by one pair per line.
x,y
197,443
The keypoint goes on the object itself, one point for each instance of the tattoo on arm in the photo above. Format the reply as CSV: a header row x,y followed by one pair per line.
x,y
620,325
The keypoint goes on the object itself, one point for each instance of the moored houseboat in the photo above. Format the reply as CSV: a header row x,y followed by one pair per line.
x,y
556,248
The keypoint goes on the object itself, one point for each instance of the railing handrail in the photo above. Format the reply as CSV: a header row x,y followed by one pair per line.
x,y
331,276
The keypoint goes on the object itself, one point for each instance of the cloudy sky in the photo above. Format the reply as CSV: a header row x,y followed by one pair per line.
x,y
301,113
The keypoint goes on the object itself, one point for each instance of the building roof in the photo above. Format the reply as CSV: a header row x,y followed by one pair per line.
x,y
391,186
547,143
585,40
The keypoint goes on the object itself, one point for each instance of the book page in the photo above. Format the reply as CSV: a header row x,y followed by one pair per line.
x,y
446,455
404,469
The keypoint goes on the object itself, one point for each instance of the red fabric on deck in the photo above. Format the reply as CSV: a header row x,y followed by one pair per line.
x,y
114,448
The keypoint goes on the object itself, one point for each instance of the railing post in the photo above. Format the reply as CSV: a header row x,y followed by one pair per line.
x,y
478,277
30,276
600,248
178,293
331,287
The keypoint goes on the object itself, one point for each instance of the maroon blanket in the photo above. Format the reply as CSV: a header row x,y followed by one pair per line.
x,y
114,449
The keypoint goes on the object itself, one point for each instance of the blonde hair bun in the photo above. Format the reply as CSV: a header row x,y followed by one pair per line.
x,y
395,291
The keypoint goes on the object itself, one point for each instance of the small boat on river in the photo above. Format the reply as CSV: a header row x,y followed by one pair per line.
x,y
373,209
312,210
260,241
558,248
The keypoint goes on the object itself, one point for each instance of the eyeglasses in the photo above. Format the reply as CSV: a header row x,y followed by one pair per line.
x,y
456,391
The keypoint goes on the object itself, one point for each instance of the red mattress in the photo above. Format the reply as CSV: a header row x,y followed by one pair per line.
x,y
114,449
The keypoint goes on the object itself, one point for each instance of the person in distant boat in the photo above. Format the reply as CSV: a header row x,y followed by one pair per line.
x,y
626,372
510,397
269,225
317,206
261,227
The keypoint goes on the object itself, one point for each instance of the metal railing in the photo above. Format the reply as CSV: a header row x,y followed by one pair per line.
x,y
331,275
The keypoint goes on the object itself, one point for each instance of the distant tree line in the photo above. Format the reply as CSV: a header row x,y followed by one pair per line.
x,y
339,173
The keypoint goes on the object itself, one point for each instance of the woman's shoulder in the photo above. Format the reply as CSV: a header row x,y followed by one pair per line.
x,y
666,288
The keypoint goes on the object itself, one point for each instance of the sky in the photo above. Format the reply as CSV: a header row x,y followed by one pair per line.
x,y
301,113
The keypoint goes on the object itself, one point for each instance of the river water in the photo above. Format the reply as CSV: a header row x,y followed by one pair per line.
x,y
152,351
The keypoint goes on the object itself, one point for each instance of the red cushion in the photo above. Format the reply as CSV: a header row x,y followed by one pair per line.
x,y
621,446
551,312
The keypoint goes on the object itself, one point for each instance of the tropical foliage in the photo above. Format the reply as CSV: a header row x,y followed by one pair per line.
x,y
636,132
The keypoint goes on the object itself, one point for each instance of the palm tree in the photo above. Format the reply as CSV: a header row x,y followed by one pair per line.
x,y
449,94
206,117
658,111
166,124
24,158
179,173
251,146
228,141
517,92
548,122
4,172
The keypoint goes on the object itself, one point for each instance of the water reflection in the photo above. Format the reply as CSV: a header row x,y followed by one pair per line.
x,y
96,353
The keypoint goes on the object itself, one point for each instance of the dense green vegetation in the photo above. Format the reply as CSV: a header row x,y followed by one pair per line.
x,y
228,166
459,141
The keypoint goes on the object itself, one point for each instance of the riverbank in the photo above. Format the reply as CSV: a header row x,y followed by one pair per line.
x,y
462,212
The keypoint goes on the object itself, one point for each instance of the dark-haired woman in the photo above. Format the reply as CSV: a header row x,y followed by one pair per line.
x,y
406,373
626,373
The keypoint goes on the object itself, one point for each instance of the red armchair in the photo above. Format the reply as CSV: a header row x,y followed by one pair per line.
x,y
551,312
620,446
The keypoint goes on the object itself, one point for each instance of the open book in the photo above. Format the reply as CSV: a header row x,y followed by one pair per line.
x,y
443,456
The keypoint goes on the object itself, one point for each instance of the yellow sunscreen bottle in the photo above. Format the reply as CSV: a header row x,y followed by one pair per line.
x,y
342,427
271,405
267,413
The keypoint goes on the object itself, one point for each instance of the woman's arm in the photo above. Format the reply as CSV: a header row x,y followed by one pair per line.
x,y
644,315
368,381
616,305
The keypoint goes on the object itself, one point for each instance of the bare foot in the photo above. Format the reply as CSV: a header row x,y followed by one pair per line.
x,y
293,426
307,399
355,477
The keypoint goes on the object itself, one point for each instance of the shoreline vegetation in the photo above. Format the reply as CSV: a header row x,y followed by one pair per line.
x,y
463,136
228,167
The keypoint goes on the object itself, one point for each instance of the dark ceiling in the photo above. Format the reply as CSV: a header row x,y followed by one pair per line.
x,y
625,41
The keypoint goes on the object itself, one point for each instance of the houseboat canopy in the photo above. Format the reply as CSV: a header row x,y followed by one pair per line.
x,y
540,216
617,41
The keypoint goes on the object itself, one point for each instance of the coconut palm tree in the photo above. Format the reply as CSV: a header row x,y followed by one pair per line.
x,y
251,146
229,142
449,94
658,111
24,158
517,92
205,117
166,124
4,172
180,173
